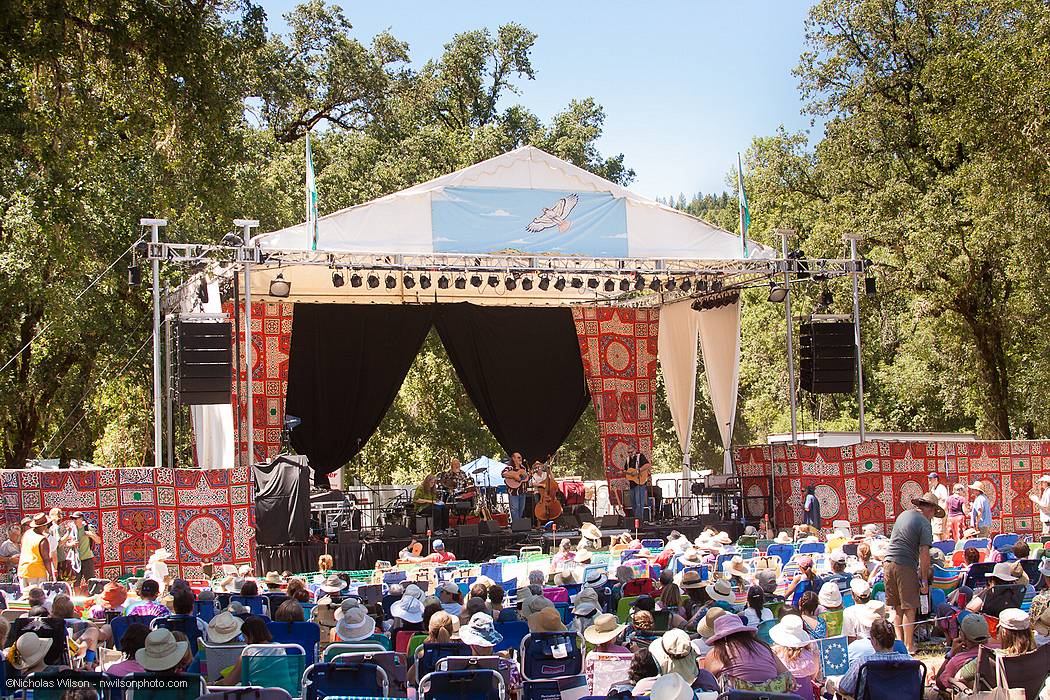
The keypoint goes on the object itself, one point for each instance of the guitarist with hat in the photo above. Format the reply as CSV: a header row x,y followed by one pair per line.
x,y
516,477
638,471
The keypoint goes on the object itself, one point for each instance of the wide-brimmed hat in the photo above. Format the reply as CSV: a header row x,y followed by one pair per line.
x,y
274,578
859,587
586,595
39,520
582,556
590,531
790,632
345,606
534,604
1015,619
605,628
1044,566
736,566
409,609
161,555
236,585
869,612
706,627
546,620
1004,571
114,595
782,538
31,650
356,625
975,628
811,539
727,625
839,557
596,578
672,644
691,556
690,579
829,595
723,538
161,651
562,578
671,686
333,584
870,529
721,590
977,486
928,499
1040,614
480,631
224,627
414,591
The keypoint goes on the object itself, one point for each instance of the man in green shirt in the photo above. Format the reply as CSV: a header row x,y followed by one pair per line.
x,y
82,536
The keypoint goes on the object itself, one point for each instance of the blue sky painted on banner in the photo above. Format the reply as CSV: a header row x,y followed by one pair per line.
x,y
487,220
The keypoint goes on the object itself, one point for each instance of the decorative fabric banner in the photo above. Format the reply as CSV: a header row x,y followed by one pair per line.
x,y
875,481
678,343
196,514
619,348
271,343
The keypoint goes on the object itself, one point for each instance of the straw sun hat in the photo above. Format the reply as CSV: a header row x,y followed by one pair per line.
x,y
161,652
605,629
789,632
31,650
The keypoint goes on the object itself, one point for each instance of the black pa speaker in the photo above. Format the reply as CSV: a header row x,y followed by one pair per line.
x,y
827,357
349,536
521,525
203,361
567,521
612,521
488,527
396,532
467,529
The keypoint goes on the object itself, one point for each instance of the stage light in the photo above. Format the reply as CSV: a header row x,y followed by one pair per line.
x,y
373,280
526,283
592,283
424,281
716,286
510,283
639,283
355,280
576,283
869,286
493,281
461,282
802,266
610,285
701,284
280,287
826,300
408,280
337,279
202,292
232,240
443,282
559,284
134,275
687,284
545,283
625,284
475,280
654,284
391,281
777,292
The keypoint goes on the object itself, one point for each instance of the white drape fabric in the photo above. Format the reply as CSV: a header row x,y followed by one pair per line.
x,y
213,424
720,344
676,350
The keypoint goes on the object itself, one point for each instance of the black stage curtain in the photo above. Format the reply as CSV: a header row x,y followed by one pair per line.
x,y
282,503
346,365
521,367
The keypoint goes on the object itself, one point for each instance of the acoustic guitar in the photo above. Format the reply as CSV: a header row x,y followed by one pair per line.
x,y
639,476
518,477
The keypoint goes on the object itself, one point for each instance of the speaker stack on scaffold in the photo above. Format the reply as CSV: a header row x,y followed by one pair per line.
x,y
203,359
827,356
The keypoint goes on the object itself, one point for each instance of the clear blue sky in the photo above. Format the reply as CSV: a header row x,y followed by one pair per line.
x,y
685,85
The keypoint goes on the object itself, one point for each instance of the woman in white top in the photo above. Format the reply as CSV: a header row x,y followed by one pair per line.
x,y
756,613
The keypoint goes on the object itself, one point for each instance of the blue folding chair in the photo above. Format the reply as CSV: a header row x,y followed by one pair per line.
x,y
164,686
811,548
653,544
273,601
1005,540
119,625
891,680
51,685
353,678
256,604
554,688
476,684
434,651
977,575
565,610
546,655
946,546
305,634
187,624
979,543
204,609
784,551
273,671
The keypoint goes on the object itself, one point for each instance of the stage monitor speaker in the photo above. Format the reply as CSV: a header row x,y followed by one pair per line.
x,y
521,525
584,514
612,521
827,357
396,532
351,536
467,529
567,521
489,527
203,360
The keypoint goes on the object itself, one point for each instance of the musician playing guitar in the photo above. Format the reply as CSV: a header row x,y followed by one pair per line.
x,y
516,477
637,469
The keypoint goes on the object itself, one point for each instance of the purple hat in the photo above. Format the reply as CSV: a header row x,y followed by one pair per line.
x,y
727,625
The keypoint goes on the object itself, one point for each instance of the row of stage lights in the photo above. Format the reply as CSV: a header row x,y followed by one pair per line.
x,y
511,282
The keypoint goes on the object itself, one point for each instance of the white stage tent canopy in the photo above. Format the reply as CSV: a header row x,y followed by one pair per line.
x,y
530,212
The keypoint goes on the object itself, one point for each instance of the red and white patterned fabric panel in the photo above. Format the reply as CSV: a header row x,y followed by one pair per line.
x,y
874,481
198,515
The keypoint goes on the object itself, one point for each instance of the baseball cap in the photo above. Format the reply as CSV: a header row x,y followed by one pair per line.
x,y
437,544
974,628
448,587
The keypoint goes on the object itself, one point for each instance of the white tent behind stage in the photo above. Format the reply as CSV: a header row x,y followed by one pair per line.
x,y
528,202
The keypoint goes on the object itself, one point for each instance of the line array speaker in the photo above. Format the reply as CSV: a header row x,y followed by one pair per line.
x,y
204,361
827,357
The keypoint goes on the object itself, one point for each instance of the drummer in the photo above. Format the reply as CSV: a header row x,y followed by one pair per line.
x,y
455,480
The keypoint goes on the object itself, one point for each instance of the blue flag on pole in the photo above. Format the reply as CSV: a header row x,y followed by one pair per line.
x,y
311,196
745,215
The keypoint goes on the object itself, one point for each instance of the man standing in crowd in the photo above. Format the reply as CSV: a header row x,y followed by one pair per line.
x,y
83,536
941,492
1042,504
516,494
981,511
34,562
906,566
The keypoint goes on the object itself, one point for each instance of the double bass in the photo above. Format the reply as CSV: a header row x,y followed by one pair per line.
x,y
548,507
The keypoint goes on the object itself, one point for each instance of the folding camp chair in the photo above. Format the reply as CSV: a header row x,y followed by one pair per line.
x,y
305,634
434,651
603,669
476,684
546,655
977,576
566,688
811,548
980,543
394,663
48,628
1005,540
891,680
623,608
946,546
219,657
344,679
256,604
335,649
1028,671
241,693
164,686
274,601
119,625
274,671
784,551
51,686
513,633
414,643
